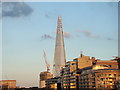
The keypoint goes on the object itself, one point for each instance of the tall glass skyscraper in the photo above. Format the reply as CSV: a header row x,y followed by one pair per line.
x,y
59,54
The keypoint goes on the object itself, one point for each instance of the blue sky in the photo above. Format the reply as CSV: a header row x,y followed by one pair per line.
x,y
91,27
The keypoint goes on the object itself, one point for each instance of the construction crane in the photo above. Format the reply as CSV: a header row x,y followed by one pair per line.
x,y
46,62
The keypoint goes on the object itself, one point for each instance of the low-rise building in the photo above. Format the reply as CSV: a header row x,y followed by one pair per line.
x,y
43,77
8,84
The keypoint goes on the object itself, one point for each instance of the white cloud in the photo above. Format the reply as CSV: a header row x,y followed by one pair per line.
x,y
67,34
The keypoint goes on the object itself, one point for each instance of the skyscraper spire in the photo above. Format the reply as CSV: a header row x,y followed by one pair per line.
x,y
59,54
59,26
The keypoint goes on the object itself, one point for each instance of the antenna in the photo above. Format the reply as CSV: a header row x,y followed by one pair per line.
x,y
81,53
47,64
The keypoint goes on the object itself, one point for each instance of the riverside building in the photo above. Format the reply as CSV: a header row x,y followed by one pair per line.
x,y
90,73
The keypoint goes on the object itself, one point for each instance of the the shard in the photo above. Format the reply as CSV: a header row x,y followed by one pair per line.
x,y
59,54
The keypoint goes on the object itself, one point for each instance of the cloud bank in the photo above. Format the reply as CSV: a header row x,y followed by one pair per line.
x,y
15,9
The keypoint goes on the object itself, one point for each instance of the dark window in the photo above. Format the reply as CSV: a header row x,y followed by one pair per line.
x,y
115,75
73,63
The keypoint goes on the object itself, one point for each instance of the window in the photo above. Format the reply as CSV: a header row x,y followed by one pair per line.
x,y
110,81
73,63
102,79
114,75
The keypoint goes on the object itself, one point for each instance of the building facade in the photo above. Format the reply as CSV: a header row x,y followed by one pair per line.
x,y
90,73
53,83
103,74
8,84
43,77
102,79
67,75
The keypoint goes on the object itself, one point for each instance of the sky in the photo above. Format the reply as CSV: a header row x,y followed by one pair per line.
x,y
29,27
